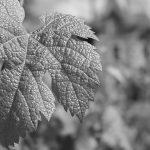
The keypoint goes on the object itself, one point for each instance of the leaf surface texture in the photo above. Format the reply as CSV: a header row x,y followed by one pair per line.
x,y
58,48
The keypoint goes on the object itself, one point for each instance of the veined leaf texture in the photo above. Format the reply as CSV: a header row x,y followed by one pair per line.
x,y
54,48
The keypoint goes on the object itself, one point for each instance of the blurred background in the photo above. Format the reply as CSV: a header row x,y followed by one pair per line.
x,y
119,119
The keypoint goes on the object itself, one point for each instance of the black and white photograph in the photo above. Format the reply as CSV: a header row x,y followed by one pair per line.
x,y
74,74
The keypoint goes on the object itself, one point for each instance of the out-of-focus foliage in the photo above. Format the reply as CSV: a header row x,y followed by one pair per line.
x,y
120,117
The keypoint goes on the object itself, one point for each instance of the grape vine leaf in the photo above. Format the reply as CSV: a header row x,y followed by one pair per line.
x,y
54,48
